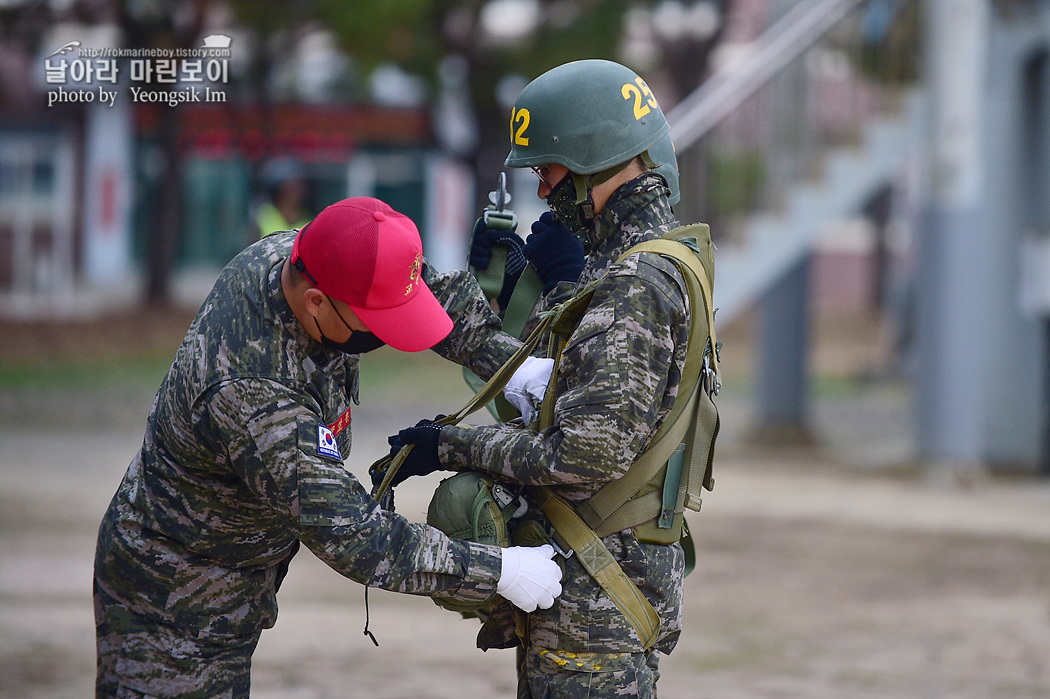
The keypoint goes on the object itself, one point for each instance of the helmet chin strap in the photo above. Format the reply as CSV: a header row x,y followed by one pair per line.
x,y
583,185
585,204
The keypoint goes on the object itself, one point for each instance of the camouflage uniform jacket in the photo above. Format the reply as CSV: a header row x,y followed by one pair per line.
x,y
242,460
618,379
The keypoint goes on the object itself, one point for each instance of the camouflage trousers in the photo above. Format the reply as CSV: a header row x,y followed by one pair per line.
x,y
139,658
552,674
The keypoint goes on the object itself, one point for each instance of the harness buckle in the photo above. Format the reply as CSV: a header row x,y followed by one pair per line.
x,y
712,384
563,552
504,498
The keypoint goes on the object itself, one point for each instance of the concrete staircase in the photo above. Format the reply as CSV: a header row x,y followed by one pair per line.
x,y
773,243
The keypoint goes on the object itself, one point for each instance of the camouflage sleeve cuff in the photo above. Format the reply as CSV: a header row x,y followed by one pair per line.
x,y
454,448
483,572
504,453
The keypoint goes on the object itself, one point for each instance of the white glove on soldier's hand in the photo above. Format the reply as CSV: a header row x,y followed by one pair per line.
x,y
528,384
529,578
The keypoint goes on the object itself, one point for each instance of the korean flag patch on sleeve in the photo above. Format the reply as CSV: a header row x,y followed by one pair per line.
x,y
326,444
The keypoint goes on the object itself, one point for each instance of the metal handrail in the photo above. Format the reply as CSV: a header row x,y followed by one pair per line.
x,y
796,134
777,47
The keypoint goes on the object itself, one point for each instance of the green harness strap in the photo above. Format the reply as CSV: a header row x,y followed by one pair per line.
x,y
614,508
522,300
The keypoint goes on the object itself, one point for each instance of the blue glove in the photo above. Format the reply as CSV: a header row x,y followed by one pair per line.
x,y
482,240
481,244
423,458
554,251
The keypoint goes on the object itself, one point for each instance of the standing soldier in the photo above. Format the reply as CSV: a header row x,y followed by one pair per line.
x,y
242,458
589,130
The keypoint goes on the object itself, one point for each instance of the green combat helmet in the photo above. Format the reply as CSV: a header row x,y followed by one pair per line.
x,y
663,156
591,116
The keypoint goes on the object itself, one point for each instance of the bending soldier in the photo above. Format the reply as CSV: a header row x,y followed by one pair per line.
x,y
242,458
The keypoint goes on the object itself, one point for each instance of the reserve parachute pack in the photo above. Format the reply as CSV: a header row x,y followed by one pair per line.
x,y
650,498
466,507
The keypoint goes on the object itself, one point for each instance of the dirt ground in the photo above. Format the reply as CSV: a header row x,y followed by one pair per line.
x,y
836,570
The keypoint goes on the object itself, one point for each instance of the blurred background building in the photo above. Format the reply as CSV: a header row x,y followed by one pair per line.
x,y
889,158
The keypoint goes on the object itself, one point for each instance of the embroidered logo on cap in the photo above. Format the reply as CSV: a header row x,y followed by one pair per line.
x,y
413,273
326,445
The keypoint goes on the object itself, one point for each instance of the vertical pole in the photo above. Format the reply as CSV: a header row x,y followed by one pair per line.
x,y
783,324
950,304
1035,114
1044,446
783,312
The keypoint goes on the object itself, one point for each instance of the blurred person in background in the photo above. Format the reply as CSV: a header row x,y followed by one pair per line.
x,y
285,206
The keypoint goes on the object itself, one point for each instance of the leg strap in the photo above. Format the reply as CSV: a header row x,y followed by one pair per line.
x,y
599,562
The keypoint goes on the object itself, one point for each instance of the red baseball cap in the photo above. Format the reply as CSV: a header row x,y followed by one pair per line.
x,y
370,257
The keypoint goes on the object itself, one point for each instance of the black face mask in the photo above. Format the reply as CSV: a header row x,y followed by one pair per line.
x,y
359,341
562,202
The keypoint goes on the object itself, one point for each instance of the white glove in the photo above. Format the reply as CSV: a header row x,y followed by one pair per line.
x,y
529,578
528,384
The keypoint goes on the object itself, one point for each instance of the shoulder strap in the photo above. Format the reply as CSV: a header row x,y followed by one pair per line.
x,y
522,300
609,509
